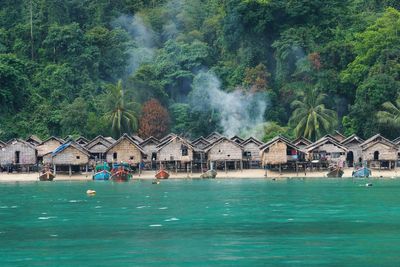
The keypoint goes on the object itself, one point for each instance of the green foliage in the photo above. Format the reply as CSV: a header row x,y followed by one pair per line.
x,y
310,117
58,59
273,129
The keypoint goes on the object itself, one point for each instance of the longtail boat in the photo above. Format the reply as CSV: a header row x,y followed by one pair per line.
x,y
121,172
362,172
209,174
102,172
335,173
46,175
162,174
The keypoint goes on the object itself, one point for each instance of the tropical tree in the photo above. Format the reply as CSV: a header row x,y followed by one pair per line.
x,y
310,117
390,114
121,115
154,121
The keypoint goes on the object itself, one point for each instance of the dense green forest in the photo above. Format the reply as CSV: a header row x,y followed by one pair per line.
x,y
262,67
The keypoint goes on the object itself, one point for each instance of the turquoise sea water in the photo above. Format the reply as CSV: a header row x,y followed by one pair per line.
x,y
201,223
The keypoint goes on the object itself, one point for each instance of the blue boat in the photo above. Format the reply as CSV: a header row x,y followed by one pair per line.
x,y
102,172
363,172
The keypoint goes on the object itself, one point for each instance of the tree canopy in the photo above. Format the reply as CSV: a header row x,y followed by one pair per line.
x,y
60,63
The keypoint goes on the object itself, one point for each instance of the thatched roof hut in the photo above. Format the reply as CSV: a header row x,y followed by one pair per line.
x,y
327,149
379,149
301,142
175,148
354,154
70,153
34,140
338,136
150,148
280,150
251,149
18,151
224,149
214,136
49,145
82,141
200,142
168,137
98,146
237,139
125,149
137,139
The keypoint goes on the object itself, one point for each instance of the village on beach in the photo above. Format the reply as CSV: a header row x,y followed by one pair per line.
x,y
234,157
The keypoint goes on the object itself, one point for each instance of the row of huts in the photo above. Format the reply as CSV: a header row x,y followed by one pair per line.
x,y
214,151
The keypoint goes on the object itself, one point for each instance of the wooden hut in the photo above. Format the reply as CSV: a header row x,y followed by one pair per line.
x,y
279,152
34,140
325,151
176,152
150,148
200,142
98,147
237,139
338,136
69,155
251,153
354,153
18,152
214,136
225,153
301,142
379,152
48,145
125,149
82,141
137,139
167,137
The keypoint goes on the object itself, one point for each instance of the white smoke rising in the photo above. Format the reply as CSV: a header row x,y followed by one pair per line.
x,y
240,112
143,37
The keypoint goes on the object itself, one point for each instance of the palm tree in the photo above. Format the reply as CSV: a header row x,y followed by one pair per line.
x,y
120,114
390,114
310,116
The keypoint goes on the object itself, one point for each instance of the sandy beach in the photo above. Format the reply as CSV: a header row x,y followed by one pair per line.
x,y
146,175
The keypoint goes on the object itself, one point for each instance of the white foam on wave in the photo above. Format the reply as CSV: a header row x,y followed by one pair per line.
x,y
163,208
171,219
74,201
14,207
54,235
141,207
155,225
98,207
46,218
3,207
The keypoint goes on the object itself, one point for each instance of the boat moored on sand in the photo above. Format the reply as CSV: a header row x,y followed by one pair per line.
x,y
102,172
121,172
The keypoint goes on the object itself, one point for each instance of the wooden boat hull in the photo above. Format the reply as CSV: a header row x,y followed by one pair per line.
x,y
363,172
121,176
337,173
209,174
162,174
47,176
101,176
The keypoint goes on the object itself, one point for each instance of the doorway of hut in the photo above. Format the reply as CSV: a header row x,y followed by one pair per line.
x,y
350,159
376,155
17,157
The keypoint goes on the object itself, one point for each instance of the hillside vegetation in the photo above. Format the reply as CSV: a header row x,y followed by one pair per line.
x,y
262,67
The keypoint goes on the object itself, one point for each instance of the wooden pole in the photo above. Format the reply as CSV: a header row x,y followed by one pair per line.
x,y
191,167
241,165
70,171
225,167
55,169
176,166
297,169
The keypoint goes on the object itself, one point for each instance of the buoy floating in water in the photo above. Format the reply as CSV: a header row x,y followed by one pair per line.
x,y
91,192
156,182
368,184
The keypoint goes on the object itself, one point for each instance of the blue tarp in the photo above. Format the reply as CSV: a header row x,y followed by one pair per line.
x,y
60,148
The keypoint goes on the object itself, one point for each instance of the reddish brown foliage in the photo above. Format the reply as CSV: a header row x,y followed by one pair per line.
x,y
154,120
315,60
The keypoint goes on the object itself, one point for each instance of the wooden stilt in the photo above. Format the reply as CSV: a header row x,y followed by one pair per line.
x,y
225,167
280,169
70,171
241,165
191,167
176,166
55,168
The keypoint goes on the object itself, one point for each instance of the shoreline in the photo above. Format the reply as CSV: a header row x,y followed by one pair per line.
x,y
245,174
